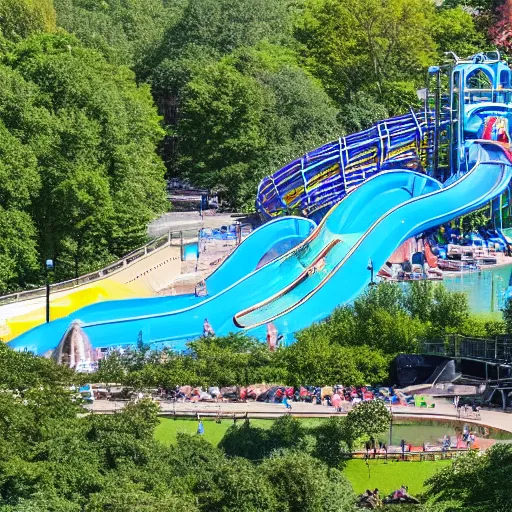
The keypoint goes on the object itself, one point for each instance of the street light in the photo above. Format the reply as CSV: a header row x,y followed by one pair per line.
x,y
370,268
49,267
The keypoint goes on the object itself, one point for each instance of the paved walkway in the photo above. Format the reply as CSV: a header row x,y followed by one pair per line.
x,y
443,411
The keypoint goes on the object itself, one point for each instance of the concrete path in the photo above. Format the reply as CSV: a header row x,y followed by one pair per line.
x,y
443,410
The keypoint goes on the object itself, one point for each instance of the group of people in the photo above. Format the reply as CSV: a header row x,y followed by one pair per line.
x,y
466,440
371,499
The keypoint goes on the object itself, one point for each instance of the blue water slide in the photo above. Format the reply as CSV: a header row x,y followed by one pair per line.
x,y
176,325
327,269
360,208
265,243
340,279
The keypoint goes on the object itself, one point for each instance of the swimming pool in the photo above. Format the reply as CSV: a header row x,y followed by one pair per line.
x,y
483,295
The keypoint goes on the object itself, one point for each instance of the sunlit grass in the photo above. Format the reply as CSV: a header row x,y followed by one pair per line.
x,y
389,476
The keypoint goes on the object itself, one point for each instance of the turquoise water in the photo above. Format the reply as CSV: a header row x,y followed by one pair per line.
x,y
418,432
482,295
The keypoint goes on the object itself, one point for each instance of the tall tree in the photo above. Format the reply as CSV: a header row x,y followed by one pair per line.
x,y
20,18
85,135
353,45
247,115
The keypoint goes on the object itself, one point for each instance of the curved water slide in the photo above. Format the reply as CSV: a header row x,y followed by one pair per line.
x,y
327,269
265,243
174,326
340,280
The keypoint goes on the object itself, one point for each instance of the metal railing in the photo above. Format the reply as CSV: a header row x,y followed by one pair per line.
x,y
172,238
127,260
487,94
497,349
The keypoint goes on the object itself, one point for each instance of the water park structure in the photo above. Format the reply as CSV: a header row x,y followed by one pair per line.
x,y
357,200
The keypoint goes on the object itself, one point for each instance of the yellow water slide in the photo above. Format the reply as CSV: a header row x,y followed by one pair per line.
x,y
139,275
65,303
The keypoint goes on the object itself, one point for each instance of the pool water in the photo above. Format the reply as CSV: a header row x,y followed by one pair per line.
x,y
419,432
479,288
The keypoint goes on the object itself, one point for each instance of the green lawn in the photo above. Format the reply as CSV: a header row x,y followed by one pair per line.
x,y
213,432
386,476
391,475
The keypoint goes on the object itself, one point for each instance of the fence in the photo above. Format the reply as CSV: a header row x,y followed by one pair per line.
x,y
498,349
162,241
430,455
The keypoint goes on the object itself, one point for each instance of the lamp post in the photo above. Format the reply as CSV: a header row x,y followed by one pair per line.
x,y
49,267
370,268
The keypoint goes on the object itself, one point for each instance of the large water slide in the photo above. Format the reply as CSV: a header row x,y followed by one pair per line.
x,y
305,284
340,280
383,202
263,244
162,322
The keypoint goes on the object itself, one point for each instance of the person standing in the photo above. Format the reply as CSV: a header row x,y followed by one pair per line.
x,y
402,445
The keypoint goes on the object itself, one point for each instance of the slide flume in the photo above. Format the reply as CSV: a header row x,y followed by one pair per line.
x,y
175,326
327,269
340,281
267,242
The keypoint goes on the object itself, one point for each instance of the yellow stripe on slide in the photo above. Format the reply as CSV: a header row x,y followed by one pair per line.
x,y
64,305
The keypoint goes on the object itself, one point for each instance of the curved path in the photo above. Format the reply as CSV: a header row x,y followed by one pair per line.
x,y
443,411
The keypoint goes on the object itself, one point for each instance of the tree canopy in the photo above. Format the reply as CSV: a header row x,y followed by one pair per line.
x,y
242,89
81,177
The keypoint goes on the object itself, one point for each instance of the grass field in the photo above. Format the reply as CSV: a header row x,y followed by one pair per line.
x,y
388,476
413,433
213,432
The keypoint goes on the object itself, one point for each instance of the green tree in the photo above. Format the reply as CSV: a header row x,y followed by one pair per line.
x,y
382,42
222,129
361,112
125,32
246,115
247,441
331,445
305,484
18,250
507,316
450,309
454,30
473,483
368,420
224,26
21,18
85,136
23,370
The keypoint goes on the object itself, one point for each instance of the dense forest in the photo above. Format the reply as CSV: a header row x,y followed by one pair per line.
x,y
101,100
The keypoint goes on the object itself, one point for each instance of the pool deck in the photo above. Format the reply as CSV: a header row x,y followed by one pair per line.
x,y
443,411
